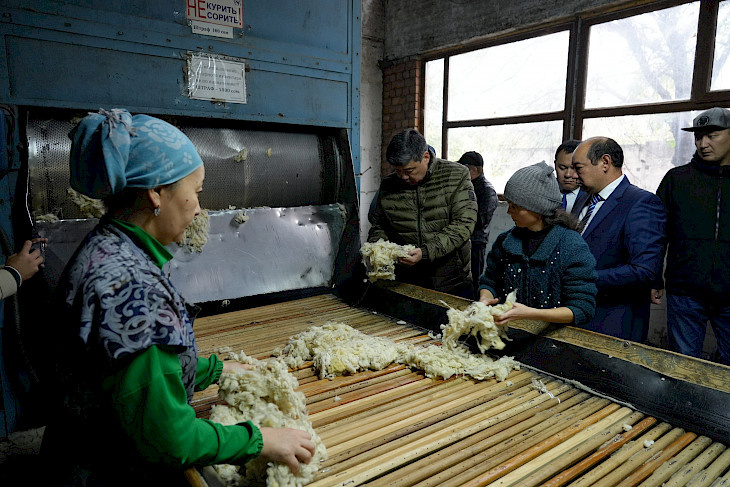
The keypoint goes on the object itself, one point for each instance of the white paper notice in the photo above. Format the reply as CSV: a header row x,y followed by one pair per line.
x,y
207,29
212,78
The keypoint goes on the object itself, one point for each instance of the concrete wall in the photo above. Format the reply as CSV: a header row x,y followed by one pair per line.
x,y
417,27
371,105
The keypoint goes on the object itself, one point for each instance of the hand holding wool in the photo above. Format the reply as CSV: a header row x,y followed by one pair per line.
x,y
518,312
288,446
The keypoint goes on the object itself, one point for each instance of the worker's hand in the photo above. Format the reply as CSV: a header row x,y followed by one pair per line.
x,y
27,261
288,446
656,296
485,296
518,312
414,257
230,367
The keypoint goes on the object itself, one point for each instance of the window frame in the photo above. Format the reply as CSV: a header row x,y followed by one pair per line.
x,y
574,112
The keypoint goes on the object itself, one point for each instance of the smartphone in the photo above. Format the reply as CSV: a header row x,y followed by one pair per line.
x,y
40,247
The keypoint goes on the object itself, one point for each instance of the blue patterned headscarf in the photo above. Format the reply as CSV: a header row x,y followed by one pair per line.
x,y
112,150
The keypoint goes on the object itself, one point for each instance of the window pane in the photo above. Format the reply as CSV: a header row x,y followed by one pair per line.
x,y
721,67
434,102
642,59
512,79
506,148
652,144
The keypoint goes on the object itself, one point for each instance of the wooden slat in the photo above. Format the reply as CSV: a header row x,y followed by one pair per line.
x,y
641,455
663,473
533,457
559,460
386,449
397,428
711,475
465,449
602,453
691,471
505,450
650,466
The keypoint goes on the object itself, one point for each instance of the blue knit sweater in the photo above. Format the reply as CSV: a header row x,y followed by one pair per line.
x,y
561,272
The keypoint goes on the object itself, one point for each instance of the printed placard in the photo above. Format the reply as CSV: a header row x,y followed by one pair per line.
x,y
208,29
213,78
221,12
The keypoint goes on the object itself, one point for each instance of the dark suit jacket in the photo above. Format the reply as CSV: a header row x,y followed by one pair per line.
x,y
627,238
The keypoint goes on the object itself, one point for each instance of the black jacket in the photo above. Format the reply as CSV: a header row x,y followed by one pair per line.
x,y
696,197
487,201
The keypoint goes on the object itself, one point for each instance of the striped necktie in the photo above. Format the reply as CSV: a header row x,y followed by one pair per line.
x,y
595,198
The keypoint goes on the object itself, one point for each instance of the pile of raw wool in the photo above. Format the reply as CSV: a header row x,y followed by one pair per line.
x,y
382,256
196,234
89,207
266,396
445,362
478,320
336,348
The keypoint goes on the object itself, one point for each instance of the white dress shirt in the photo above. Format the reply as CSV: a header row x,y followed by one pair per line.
x,y
604,193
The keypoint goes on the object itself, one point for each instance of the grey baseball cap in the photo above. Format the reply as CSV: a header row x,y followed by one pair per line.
x,y
714,118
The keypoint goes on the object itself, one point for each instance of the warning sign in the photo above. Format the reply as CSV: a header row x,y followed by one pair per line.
x,y
221,12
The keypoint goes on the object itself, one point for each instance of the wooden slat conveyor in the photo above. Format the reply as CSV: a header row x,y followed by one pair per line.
x,y
395,427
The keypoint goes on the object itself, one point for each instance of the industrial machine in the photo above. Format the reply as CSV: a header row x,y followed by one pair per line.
x,y
280,141
269,93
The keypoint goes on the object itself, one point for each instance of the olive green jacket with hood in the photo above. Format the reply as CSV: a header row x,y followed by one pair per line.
x,y
437,215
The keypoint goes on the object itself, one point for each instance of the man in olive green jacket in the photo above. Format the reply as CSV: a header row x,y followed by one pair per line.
x,y
429,203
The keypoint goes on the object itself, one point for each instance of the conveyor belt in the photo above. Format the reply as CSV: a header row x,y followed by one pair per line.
x,y
396,427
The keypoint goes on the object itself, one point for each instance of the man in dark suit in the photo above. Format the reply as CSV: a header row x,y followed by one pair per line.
x,y
624,227
567,179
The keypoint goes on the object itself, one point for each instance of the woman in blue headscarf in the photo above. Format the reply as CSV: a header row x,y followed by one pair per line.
x,y
130,363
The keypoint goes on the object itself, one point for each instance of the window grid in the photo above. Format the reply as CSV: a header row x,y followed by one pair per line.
x,y
574,113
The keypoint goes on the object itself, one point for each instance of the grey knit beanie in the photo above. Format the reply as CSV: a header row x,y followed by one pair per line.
x,y
534,188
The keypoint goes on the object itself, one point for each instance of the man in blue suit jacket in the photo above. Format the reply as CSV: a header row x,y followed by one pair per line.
x,y
624,228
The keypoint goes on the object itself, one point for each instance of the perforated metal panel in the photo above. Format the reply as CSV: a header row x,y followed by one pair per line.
x,y
276,249
299,174
244,168
48,150
280,169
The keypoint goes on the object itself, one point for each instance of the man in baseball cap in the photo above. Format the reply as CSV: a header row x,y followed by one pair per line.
x,y
714,118
487,202
696,197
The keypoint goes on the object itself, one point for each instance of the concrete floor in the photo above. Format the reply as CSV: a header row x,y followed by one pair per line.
x,y
19,456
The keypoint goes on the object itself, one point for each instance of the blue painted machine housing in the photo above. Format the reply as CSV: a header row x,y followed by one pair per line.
x,y
302,68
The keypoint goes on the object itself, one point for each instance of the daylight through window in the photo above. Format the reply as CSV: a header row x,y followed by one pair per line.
x,y
631,76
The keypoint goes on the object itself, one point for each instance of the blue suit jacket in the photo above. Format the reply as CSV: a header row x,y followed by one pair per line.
x,y
627,238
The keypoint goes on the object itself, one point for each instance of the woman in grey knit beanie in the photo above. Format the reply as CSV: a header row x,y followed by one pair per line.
x,y
543,257
534,188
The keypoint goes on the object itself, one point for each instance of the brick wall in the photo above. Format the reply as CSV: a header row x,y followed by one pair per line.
x,y
403,85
